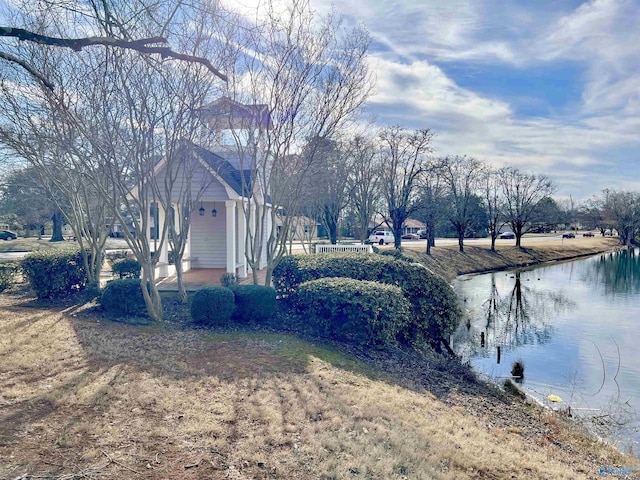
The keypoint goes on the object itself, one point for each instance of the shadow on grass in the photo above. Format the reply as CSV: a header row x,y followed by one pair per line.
x,y
115,352
179,349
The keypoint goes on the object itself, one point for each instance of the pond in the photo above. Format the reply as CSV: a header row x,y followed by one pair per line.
x,y
576,327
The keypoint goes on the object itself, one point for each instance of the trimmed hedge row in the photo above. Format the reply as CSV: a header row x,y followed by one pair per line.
x,y
54,273
126,268
215,306
435,310
123,297
368,313
254,303
7,275
212,306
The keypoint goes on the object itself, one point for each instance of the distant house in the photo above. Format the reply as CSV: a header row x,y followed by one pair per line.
x,y
409,226
302,228
412,226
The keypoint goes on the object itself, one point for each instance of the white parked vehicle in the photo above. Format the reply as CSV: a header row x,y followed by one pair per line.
x,y
382,237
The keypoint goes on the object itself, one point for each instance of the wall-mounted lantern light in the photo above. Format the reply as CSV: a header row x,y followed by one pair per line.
x,y
214,212
201,210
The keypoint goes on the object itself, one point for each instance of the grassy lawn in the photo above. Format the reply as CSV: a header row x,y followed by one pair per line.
x,y
32,244
84,397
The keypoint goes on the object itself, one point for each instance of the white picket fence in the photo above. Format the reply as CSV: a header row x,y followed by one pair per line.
x,y
320,248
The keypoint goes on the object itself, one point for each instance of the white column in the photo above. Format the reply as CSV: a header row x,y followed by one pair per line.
x,y
267,226
187,250
163,255
231,235
252,220
242,229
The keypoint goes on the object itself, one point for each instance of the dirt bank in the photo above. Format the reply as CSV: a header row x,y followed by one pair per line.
x,y
448,262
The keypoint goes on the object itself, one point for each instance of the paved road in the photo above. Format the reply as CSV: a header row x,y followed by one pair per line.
x,y
528,239
12,255
413,243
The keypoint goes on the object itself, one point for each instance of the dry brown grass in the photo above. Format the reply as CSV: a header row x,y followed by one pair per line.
x,y
449,262
82,397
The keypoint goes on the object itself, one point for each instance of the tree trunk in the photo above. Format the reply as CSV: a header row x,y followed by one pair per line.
x,y
150,293
518,231
493,242
182,291
92,264
56,234
333,232
267,278
460,240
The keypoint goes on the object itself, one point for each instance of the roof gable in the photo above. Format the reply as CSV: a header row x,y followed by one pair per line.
x,y
227,173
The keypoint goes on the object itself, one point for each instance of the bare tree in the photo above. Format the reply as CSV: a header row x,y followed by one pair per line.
x,y
592,212
461,176
301,79
61,166
623,207
110,23
327,187
523,194
431,203
492,194
364,182
123,117
404,160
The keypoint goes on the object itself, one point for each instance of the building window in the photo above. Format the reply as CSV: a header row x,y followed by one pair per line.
x,y
154,233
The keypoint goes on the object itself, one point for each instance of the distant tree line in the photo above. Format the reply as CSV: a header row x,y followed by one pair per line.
x,y
394,175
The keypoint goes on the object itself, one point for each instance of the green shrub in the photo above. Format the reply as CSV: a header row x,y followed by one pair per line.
x,y
7,275
53,273
435,310
397,254
123,297
368,313
126,268
115,255
254,303
212,306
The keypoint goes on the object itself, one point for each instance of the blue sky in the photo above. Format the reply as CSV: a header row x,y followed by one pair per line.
x,y
550,86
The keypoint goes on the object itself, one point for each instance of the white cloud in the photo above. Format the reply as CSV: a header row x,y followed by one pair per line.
x,y
411,40
426,88
420,95
605,36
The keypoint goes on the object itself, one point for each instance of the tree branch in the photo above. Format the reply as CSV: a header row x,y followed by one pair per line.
x,y
28,68
144,45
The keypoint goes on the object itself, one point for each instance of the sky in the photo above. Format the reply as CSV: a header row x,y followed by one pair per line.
x,y
548,86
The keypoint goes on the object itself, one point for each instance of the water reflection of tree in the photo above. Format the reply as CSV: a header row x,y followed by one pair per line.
x,y
520,316
617,272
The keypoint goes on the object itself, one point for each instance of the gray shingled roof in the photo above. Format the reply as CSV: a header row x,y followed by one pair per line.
x,y
231,175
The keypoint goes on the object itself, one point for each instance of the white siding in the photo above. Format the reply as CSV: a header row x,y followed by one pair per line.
x,y
208,237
